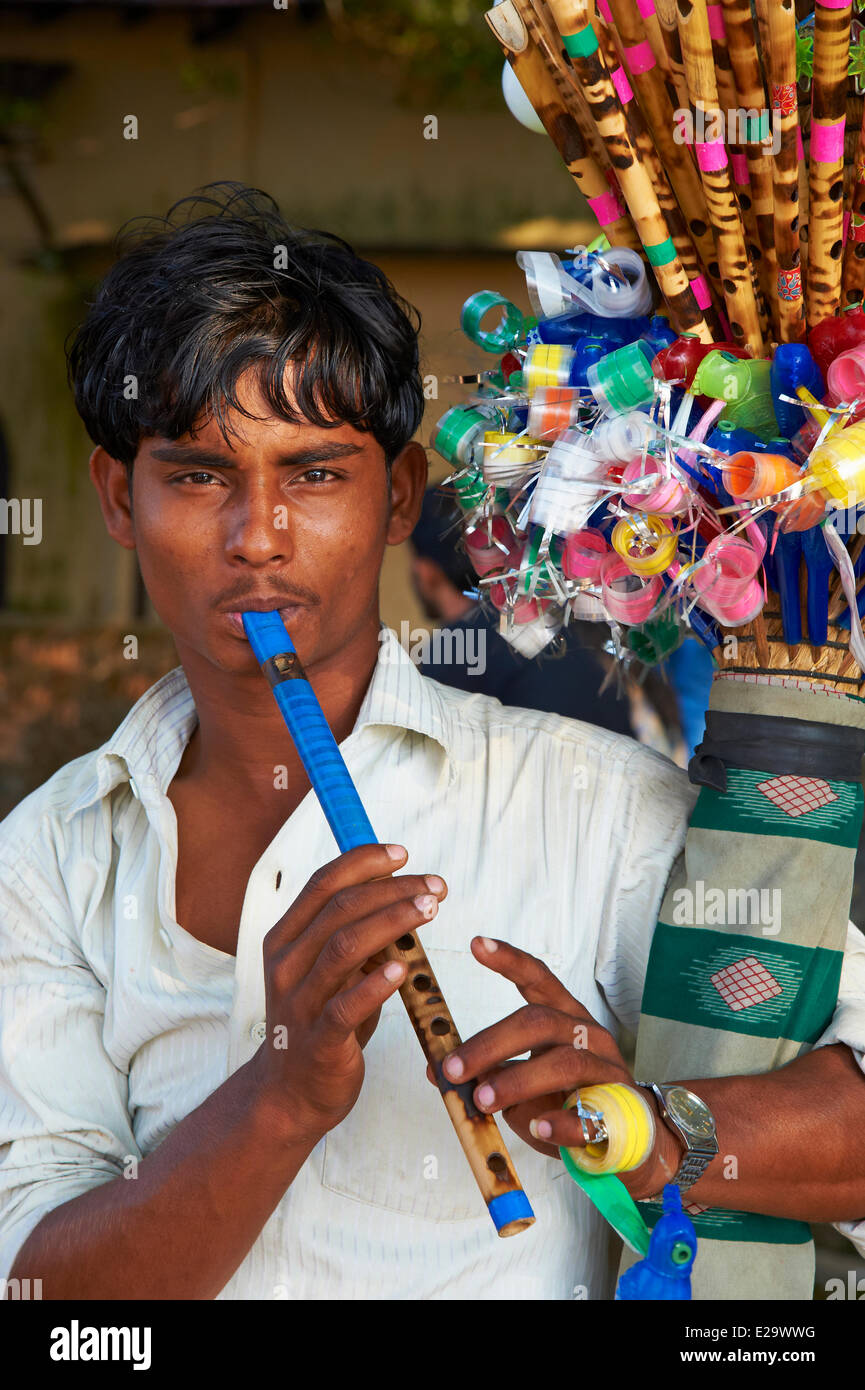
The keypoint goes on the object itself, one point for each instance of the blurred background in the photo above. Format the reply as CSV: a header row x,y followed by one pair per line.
x,y
381,121
384,123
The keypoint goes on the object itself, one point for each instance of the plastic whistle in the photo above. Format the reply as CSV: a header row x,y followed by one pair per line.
x,y
792,367
746,388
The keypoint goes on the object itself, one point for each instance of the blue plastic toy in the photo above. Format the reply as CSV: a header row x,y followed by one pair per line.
x,y
665,1273
793,366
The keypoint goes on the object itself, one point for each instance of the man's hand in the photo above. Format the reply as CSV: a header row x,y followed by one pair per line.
x,y
569,1049
325,983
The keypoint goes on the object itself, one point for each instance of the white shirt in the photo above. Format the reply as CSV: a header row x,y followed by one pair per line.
x,y
116,1023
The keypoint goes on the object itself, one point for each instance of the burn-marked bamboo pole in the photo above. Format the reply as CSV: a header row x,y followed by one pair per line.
x,y
781,61
715,173
648,153
635,182
826,165
853,273
561,125
751,102
654,99
728,101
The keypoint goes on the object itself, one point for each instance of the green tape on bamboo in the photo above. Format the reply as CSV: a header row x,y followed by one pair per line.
x,y
582,44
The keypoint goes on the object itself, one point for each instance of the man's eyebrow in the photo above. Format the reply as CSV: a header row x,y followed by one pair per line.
x,y
200,458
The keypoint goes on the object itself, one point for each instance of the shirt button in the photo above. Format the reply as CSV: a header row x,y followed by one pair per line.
x,y
258,1031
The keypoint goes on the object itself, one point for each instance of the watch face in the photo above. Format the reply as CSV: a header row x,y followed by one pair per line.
x,y
690,1112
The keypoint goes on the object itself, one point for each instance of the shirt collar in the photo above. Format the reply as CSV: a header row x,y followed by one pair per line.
x,y
147,747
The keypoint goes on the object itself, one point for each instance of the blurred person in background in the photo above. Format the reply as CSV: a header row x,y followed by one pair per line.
x,y
567,681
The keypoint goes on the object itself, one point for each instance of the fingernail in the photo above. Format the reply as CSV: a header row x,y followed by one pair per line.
x,y
488,943
540,1129
393,970
434,883
485,1095
426,904
454,1068
395,851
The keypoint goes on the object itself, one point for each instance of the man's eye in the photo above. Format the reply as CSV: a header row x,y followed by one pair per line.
x,y
318,475
190,477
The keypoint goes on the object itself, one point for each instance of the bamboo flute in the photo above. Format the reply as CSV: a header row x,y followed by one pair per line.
x,y
657,109
668,20
561,125
669,205
853,271
721,201
826,164
634,179
781,58
751,101
643,144
728,102
331,781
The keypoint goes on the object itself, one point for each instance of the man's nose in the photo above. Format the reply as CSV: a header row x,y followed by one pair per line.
x,y
259,528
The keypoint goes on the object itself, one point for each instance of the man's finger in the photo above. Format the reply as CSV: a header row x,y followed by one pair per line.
x,y
534,980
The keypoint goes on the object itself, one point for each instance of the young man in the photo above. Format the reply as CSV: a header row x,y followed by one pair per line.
x,y
209,1087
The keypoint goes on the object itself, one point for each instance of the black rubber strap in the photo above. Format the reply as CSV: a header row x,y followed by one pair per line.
x,y
770,743
285,666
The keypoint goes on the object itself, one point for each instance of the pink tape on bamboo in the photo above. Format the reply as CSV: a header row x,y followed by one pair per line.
x,y
701,291
646,8
608,207
827,141
716,23
739,163
834,4
622,85
605,11
640,57
800,148
711,155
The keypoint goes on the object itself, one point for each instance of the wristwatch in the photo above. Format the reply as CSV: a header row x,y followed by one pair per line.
x,y
692,1120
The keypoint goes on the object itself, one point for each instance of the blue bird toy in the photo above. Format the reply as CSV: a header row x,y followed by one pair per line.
x,y
665,1273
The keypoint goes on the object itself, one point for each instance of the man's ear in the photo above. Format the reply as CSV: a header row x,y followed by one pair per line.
x,y
408,483
111,480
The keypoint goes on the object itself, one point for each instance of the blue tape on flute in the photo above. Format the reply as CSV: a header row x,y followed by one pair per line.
x,y
319,752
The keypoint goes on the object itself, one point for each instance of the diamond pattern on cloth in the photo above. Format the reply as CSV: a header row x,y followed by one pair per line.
x,y
796,796
744,983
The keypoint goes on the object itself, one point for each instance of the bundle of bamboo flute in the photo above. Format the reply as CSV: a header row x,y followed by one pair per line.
x,y
682,123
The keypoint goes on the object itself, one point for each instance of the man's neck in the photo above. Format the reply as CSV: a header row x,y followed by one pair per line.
x,y
241,743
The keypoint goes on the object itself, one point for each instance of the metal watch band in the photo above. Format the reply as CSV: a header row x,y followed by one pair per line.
x,y
696,1159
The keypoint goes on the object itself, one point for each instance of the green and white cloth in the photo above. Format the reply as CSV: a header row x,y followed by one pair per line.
x,y
746,959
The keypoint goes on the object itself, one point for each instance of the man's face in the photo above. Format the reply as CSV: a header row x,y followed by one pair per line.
x,y
287,516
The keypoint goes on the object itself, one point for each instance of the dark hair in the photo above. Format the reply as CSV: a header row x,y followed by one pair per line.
x,y
222,284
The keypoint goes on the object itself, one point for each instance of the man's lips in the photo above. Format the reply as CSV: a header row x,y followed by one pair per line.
x,y
286,609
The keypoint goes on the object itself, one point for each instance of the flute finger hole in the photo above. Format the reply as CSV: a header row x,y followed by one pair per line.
x,y
440,1026
497,1165
421,983
405,943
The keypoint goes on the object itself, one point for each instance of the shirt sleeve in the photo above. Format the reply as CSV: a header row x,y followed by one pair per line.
x,y
848,1026
64,1121
654,803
